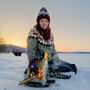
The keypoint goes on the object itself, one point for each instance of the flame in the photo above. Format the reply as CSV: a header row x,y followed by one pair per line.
x,y
39,73
45,55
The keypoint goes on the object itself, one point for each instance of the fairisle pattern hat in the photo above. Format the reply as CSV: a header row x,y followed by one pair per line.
x,y
43,13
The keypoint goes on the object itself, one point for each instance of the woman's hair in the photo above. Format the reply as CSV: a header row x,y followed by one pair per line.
x,y
45,33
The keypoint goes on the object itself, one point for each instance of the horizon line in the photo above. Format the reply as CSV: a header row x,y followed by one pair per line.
x,y
56,50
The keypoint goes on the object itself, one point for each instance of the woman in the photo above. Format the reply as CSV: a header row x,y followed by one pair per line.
x,y
40,39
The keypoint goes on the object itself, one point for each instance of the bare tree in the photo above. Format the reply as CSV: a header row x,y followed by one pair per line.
x,y
2,45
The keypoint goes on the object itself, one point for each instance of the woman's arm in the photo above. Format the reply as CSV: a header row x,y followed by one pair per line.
x,y
31,45
55,57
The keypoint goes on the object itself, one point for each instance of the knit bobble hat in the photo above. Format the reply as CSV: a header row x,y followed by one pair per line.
x,y
43,13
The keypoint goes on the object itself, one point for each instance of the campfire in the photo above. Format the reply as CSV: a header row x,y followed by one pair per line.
x,y
39,75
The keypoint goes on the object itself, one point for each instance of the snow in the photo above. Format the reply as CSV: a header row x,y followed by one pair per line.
x,y
12,68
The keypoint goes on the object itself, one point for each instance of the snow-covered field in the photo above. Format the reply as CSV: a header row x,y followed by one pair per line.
x,y
12,68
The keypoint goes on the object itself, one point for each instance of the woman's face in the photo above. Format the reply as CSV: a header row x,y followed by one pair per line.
x,y
44,23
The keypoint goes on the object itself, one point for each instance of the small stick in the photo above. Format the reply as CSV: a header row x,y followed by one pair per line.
x,y
26,80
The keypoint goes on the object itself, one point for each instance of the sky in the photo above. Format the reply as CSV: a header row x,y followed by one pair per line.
x,y
70,22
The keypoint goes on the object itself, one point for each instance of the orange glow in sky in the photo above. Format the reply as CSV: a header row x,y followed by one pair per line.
x,y
70,22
